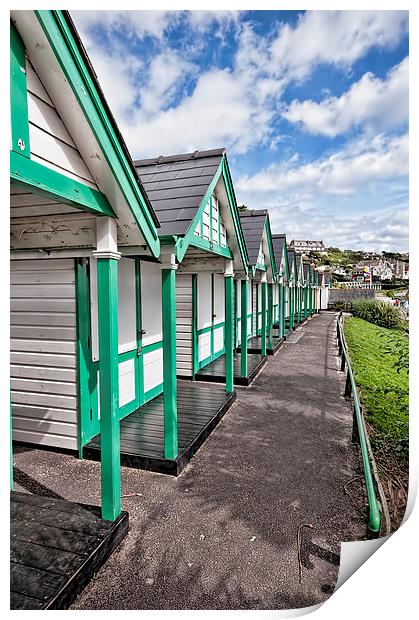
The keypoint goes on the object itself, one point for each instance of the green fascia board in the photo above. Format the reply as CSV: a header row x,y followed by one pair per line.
x,y
260,266
198,242
183,243
270,245
52,184
78,76
18,94
235,213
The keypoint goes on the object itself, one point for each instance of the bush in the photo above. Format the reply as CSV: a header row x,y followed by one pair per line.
x,y
379,312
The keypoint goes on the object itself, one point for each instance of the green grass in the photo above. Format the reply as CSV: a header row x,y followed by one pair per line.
x,y
379,358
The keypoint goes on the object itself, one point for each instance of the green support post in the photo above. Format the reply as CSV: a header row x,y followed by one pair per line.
x,y
305,301
263,332
244,291
270,316
291,296
107,283
169,364
282,309
229,332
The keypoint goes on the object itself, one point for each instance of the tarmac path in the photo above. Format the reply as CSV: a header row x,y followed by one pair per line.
x,y
224,534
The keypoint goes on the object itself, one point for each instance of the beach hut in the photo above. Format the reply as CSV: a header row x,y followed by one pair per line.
x,y
298,315
291,293
281,283
306,291
258,237
78,215
194,197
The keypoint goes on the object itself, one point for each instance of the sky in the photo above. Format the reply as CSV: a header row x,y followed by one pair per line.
x,y
312,108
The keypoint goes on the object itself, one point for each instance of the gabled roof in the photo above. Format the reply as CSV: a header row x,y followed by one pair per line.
x,y
55,52
279,243
306,270
176,186
253,224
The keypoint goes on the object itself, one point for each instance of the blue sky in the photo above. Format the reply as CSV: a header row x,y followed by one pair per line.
x,y
311,106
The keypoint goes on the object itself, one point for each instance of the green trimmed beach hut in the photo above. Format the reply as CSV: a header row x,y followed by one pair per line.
x,y
282,278
77,214
262,267
194,197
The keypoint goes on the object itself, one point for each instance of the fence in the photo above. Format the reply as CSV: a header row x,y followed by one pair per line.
x,y
374,510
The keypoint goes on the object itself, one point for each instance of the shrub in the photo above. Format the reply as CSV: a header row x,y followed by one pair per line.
x,y
378,312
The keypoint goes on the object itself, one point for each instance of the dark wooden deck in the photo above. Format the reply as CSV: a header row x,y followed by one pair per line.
x,y
200,408
56,547
254,345
216,370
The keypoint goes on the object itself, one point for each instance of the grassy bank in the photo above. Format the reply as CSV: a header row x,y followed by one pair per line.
x,y
379,358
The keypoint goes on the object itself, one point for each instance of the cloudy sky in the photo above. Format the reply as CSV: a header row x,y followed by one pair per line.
x,y
311,106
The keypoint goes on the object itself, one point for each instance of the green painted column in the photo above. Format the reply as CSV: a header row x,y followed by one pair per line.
x,y
107,284
305,301
244,291
270,316
291,307
263,331
229,332
169,363
300,313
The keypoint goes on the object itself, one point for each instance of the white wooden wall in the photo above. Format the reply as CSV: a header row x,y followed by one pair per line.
x,y
184,344
151,322
43,352
38,222
50,142
324,297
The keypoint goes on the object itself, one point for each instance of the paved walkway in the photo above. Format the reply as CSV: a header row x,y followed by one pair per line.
x,y
224,534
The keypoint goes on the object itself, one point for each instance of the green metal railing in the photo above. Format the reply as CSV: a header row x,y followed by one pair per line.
x,y
374,510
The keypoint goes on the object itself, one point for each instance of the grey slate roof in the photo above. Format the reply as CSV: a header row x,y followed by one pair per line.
x,y
176,186
253,225
278,246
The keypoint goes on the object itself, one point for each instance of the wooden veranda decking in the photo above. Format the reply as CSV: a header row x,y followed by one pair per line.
x,y
200,408
56,547
254,345
216,370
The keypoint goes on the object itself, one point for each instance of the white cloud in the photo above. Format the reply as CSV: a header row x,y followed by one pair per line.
x,y
334,37
357,192
138,23
217,98
372,103
360,164
166,74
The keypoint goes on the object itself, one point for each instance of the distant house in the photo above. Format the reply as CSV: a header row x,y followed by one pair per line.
x,y
401,269
376,269
305,246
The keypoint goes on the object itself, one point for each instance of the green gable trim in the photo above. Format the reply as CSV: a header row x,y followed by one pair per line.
x,y
18,94
270,246
78,76
190,238
198,242
48,182
235,213
183,243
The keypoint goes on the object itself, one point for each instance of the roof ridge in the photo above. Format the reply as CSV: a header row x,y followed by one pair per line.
x,y
165,159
